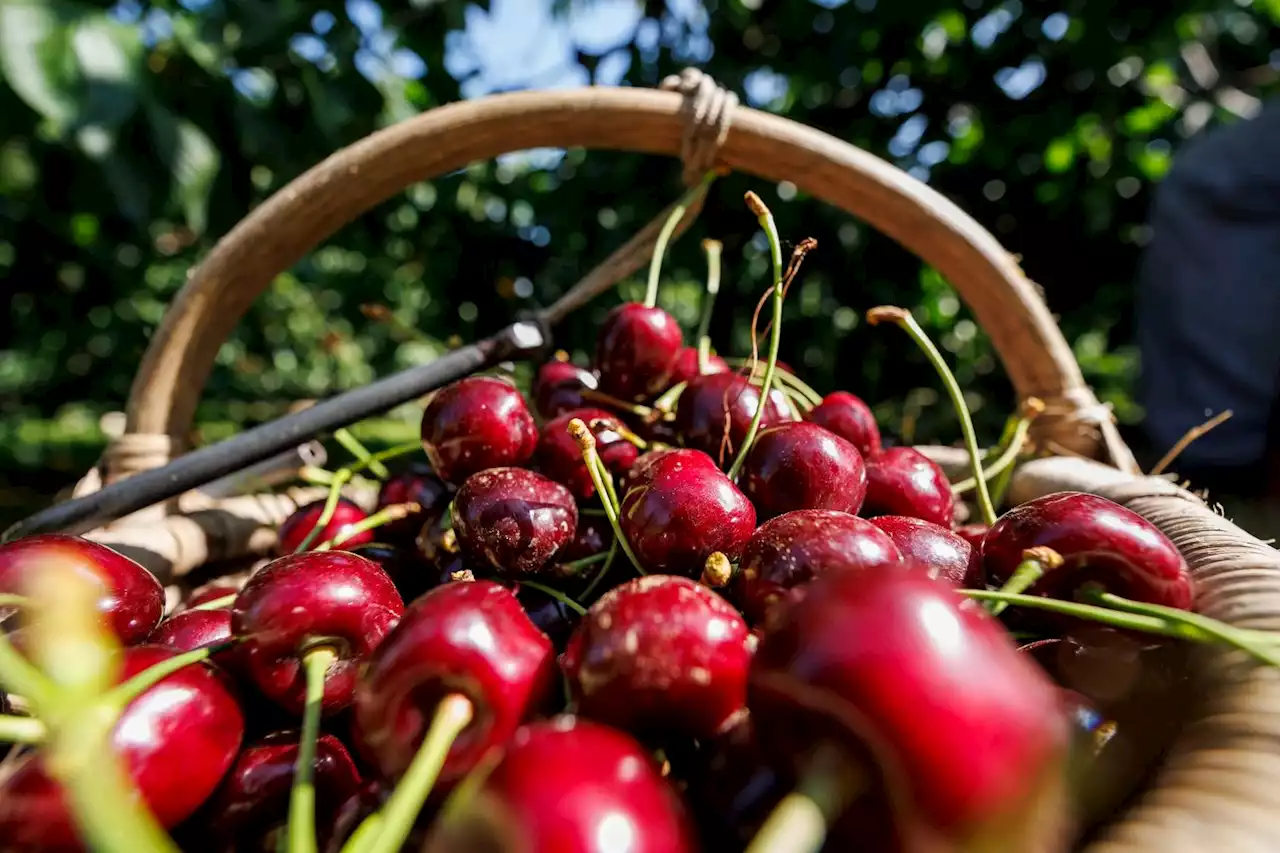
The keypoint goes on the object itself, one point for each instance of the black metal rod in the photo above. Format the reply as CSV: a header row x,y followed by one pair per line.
x,y
208,463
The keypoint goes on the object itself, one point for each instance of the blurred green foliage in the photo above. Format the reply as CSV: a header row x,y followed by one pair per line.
x,y
132,136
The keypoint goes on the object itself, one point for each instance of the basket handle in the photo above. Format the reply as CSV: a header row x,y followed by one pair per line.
x,y
300,216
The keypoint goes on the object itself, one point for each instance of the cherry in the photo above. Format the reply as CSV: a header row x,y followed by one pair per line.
x,y
791,550
417,484
973,534
477,423
550,615
560,458
558,387
850,418
513,520
945,553
903,481
193,629
318,599
893,667
250,805
1100,542
686,365
801,465
593,535
469,638
298,526
210,592
636,351
679,510
189,714
411,573
568,785
131,601
700,414
645,464
659,654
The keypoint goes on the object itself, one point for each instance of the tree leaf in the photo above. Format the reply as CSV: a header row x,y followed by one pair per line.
x,y
36,62
192,159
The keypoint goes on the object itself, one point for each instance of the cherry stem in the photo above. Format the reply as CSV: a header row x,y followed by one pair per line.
x,y
907,323
1012,448
1188,437
340,478
688,199
574,566
452,716
125,692
712,248
353,446
637,409
460,797
666,404
557,595
604,486
798,824
301,830
8,599
765,218
1023,578
622,430
785,377
27,730
604,570
314,475
386,515
217,603
18,676
389,454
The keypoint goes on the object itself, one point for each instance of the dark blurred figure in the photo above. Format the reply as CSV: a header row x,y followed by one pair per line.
x,y
1208,314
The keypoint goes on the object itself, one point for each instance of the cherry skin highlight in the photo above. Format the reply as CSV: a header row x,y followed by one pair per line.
x,y
850,418
947,555
636,351
477,423
513,521
700,414
296,528
800,465
560,458
558,387
903,481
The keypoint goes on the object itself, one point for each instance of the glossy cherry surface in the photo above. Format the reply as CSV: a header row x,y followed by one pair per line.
x,y
329,597
659,654
700,414
646,463
943,552
477,423
801,465
973,534
560,457
967,733
193,629
789,551
299,525
679,511
513,520
686,365
558,387
903,481
472,638
176,740
1100,542
131,600
850,418
636,351
417,484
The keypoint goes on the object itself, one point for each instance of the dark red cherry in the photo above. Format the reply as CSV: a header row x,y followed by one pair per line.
x,y
967,733
903,481
791,550
850,418
659,654
686,365
252,804
370,796
193,629
1100,542
700,414
639,473
593,536
568,785
946,554
558,387
212,591
560,457
800,465
418,484
299,525
636,351
973,534
679,512
513,520
551,616
329,598
477,423
176,740
471,638
131,600
411,573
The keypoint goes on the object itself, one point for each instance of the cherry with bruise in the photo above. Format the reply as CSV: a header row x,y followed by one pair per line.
x,y
801,465
636,351
558,387
560,458
946,554
903,481
416,484
298,526
513,521
477,423
850,418
709,401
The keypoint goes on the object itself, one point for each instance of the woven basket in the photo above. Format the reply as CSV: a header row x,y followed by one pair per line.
x,y
1219,784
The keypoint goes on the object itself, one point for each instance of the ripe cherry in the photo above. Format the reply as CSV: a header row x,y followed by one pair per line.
x,y
686,366
298,526
131,600
560,458
903,481
680,510
944,553
659,654
318,599
417,484
468,638
636,351
801,465
558,387
477,423
701,412
973,534
850,418
791,550
193,629
513,520
210,592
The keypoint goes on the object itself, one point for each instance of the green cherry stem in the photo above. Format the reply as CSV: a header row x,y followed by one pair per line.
x,y
27,730
301,830
902,318
666,404
18,676
340,478
314,475
1035,562
690,197
713,249
1090,613
386,515
574,566
604,570
637,409
798,824
353,446
217,603
390,453
785,377
1011,448
557,595
604,486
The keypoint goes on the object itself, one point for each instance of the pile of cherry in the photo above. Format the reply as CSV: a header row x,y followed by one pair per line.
x,y
627,618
